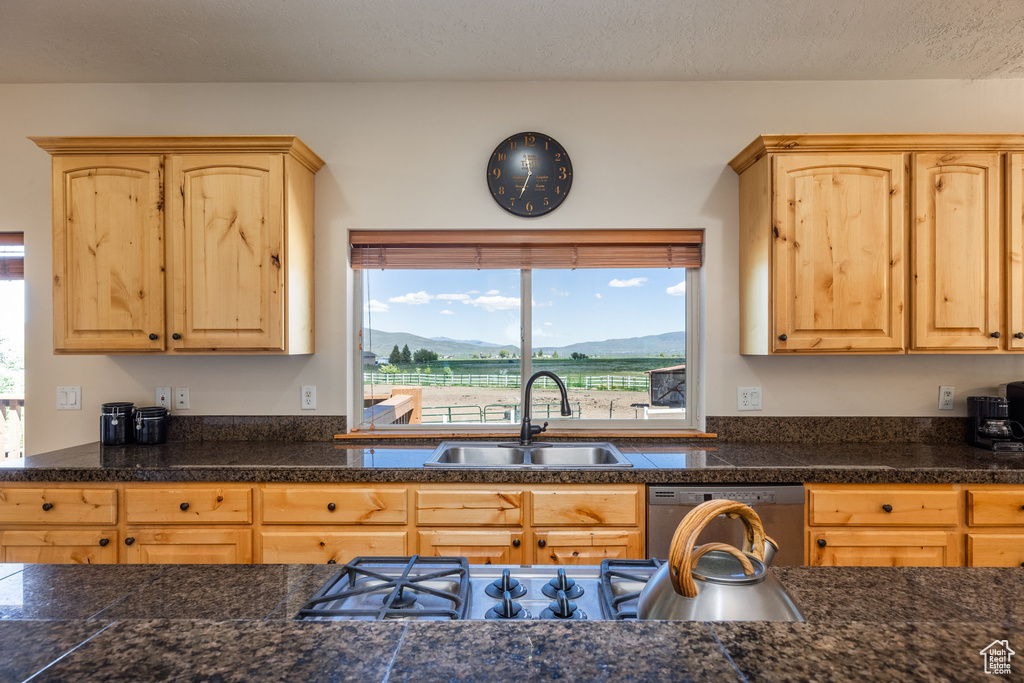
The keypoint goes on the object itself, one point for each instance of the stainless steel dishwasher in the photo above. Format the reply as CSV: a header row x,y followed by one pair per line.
x,y
780,507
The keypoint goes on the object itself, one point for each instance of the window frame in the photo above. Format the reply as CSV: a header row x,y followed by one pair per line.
x,y
694,422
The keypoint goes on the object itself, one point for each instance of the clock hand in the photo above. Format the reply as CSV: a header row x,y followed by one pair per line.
x,y
529,172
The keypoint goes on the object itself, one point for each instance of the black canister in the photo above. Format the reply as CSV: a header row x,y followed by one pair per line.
x,y
151,425
116,418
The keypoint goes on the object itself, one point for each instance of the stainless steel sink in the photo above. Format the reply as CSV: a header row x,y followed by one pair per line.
x,y
488,454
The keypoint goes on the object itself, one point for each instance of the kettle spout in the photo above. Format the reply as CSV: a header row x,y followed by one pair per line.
x,y
770,548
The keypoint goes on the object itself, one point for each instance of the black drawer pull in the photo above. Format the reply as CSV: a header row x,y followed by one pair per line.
x,y
104,542
183,506
175,336
542,543
332,561
995,335
153,337
331,506
887,507
1019,335
515,542
47,507
822,543
129,540
783,337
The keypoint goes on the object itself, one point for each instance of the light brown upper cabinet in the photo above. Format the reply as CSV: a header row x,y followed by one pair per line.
x,y
828,224
175,244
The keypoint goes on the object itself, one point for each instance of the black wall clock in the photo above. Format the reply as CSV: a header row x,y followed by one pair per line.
x,y
529,174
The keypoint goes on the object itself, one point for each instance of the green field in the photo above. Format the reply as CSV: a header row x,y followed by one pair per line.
x,y
560,366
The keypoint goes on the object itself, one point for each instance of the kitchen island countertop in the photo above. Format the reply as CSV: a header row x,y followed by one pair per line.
x,y
705,462
203,622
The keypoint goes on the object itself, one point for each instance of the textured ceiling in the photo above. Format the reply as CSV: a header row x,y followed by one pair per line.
x,y
46,41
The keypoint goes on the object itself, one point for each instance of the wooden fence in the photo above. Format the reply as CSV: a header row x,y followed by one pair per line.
x,y
12,424
605,382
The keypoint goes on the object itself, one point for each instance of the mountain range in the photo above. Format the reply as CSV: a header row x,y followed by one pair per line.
x,y
671,343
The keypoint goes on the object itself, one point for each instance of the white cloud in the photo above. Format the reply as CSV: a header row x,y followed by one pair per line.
x,y
559,292
452,297
493,292
598,295
447,312
631,282
677,290
412,298
495,303
548,324
375,306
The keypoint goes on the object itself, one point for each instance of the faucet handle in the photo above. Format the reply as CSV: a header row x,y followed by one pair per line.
x,y
534,429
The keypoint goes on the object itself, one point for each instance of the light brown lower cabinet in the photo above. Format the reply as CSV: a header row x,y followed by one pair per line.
x,y
59,546
479,546
320,546
881,548
995,550
586,546
188,546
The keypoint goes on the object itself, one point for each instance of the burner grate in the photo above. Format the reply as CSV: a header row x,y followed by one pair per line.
x,y
404,585
623,570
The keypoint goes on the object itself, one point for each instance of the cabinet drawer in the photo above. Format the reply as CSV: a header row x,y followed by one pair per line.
x,y
44,546
995,550
591,507
331,547
469,508
882,507
188,546
58,506
995,508
499,546
334,505
586,547
874,548
193,505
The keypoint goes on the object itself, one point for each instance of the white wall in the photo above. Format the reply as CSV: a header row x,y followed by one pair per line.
x,y
645,155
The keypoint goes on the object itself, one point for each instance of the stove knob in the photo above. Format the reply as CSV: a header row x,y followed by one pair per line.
x,y
562,583
507,608
505,585
562,607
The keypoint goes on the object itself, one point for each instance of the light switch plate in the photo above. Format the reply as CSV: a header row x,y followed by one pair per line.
x,y
69,398
181,398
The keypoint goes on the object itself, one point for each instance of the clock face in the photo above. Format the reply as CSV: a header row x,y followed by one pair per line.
x,y
529,174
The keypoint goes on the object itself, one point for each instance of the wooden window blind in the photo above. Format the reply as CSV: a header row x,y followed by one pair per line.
x,y
12,256
491,249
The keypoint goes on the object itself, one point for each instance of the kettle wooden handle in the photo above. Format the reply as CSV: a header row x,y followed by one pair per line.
x,y
701,550
680,556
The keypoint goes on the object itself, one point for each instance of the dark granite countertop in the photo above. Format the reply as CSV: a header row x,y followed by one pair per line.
x,y
233,623
696,461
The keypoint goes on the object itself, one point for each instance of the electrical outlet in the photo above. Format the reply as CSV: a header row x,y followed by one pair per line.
x,y
308,401
163,396
181,398
69,398
748,398
946,398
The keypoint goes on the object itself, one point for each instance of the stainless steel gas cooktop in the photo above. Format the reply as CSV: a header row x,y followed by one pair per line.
x,y
446,588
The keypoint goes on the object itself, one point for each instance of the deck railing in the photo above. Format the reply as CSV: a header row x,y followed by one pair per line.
x,y
12,426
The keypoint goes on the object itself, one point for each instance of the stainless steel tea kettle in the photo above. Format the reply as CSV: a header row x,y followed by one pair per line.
x,y
715,581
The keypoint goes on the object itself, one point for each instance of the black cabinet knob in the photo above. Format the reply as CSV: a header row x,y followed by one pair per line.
x,y
995,335
331,506
175,336
1022,507
332,561
104,542
129,540
515,542
542,543
153,337
183,506
783,337
887,507
1019,335
47,507
822,543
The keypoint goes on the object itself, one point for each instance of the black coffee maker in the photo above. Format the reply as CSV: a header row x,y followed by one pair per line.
x,y
990,425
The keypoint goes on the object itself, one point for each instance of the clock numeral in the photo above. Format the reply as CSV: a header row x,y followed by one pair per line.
x,y
513,146
502,156
501,189
529,206
511,201
497,173
562,175
558,189
545,145
545,201
529,140
558,157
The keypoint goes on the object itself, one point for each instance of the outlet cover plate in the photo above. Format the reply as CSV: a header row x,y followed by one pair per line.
x,y
748,398
308,398
181,399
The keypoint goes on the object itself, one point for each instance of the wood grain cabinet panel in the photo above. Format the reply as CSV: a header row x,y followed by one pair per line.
x,y
1015,251
448,506
995,507
496,546
334,504
957,252
599,506
882,507
193,505
187,546
873,548
58,505
331,547
77,546
995,550
586,546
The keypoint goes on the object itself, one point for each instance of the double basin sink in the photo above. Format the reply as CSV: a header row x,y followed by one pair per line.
x,y
489,454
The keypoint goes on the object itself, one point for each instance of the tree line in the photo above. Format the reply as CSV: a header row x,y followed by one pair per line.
x,y
407,356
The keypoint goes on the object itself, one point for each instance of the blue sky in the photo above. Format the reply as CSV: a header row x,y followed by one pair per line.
x,y
569,306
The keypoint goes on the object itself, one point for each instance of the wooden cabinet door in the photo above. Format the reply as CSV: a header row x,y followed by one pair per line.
x,y
187,546
606,505
838,252
191,505
502,546
586,546
331,547
78,546
462,507
226,226
53,505
335,504
995,550
108,253
875,548
882,506
1015,251
957,248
